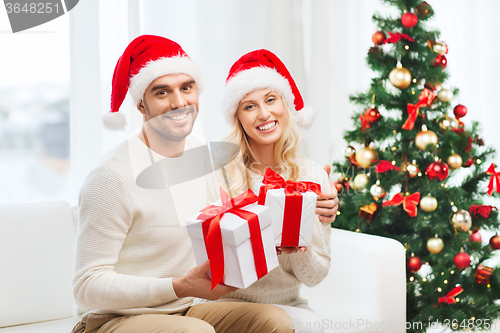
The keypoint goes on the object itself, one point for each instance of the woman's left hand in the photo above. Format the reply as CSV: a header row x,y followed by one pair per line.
x,y
327,209
290,250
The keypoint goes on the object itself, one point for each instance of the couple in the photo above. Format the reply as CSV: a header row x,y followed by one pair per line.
x,y
134,264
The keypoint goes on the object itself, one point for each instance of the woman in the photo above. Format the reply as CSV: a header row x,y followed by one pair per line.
x,y
262,103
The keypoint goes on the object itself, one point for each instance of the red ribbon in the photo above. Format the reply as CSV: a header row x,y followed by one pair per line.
x,y
495,179
394,38
409,203
293,203
481,210
213,237
364,123
425,99
449,298
384,166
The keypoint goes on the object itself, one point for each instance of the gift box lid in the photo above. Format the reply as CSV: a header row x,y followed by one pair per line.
x,y
234,229
281,192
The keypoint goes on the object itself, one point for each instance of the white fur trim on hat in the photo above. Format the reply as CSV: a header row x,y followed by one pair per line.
x,y
115,121
160,67
250,80
305,117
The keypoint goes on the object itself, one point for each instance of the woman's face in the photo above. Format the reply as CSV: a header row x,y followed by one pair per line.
x,y
263,117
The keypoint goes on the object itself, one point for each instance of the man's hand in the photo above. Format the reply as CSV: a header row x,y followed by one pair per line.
x,y
327,209
196,283
290,250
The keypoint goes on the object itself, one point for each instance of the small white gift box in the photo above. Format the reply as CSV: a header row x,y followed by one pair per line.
x,y
276,200
239,263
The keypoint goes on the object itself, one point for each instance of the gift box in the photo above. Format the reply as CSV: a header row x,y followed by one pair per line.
x,y
237,237
292,205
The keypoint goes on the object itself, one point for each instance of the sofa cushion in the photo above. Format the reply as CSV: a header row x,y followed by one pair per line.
x,y
36,255
53,326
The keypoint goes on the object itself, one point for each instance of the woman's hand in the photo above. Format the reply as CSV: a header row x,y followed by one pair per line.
x,y
327,209
290,250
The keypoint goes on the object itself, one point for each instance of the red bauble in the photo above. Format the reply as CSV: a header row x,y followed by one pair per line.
x,y
372,115
475,237
378,38
495,242
437,170
409,20
462,260
460,111
440,61
468,163
414,264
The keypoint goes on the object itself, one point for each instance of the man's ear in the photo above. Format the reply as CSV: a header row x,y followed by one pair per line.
x,y
141,107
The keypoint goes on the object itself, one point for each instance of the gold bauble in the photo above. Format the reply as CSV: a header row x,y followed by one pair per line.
x,y
428,203
462,220
377,191
366,156
360,181
435,245
448,123
445,95
439,48
400,77
454,161
425,138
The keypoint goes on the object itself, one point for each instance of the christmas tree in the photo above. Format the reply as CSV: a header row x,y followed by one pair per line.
x,y
416,173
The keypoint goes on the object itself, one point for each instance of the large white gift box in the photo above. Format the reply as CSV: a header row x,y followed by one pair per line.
x,y
239,262
276,200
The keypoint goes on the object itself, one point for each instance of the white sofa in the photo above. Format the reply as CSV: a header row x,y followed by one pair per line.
x,y
364,292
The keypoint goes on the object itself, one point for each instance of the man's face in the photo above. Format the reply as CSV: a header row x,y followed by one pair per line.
x,y
170,105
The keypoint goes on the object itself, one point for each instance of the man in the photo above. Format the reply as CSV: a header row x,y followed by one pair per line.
x,y
134,266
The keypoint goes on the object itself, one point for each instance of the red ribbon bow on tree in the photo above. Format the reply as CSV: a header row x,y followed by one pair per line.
x,y
495,179
213,237
384,166
364,123
293,203
394,38
409,203
426,97
481,210
449,298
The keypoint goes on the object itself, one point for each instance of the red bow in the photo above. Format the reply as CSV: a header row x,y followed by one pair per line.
x,y
213,237
364,123
481,210
495,179
385,166
449,298
397,37
426,97
293,203
409,203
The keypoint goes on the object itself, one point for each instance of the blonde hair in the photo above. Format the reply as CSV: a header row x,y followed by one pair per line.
x,y
285,152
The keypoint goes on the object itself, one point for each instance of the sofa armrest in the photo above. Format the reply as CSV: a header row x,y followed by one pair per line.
x,y
37,248
365,289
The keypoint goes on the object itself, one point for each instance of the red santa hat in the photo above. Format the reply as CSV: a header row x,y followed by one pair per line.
x,y
145,59
262,69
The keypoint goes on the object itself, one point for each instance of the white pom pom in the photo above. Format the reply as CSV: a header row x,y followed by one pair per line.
x,y
305,117
115,121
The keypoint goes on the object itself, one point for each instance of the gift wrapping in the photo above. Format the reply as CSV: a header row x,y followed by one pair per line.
x,y
292,205
236,237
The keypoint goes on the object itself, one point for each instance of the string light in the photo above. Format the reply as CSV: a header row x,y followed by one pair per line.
x,y
412,278
424,279
413,92
445,282
457,299
439,289
473,318
420,174
489,285
452,272
357,230
478,161
393,162
394,148
338,212
407,47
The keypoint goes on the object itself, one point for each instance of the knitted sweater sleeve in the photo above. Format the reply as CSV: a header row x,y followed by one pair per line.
x,y
105,218
312,266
